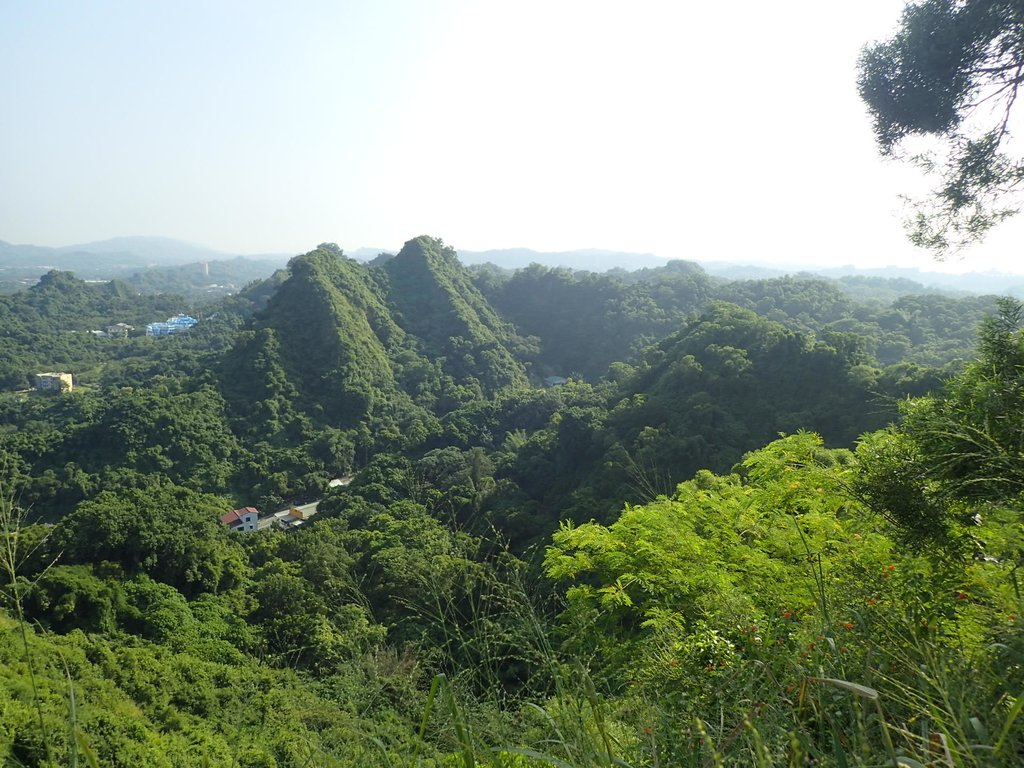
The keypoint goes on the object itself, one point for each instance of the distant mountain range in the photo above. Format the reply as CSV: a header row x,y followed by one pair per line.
x,y
151,264
116,255
999,283
122,257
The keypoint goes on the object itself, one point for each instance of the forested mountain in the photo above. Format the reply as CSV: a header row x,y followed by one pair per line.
x,y
358,342
331,361
334,334
587,321
567,574
368,356
435,301
635,309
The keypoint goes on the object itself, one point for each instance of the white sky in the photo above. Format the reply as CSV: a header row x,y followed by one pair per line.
x,y
710,131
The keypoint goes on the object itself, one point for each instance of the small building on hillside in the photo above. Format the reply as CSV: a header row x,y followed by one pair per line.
x,y
174,325
244,519
119,330
54,383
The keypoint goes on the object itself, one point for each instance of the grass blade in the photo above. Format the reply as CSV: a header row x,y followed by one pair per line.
x,y
855,688
1010,720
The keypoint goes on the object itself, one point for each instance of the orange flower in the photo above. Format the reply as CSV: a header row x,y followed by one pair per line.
x,y
848,625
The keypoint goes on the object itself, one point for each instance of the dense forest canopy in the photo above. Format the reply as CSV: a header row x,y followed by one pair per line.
x,y
562,518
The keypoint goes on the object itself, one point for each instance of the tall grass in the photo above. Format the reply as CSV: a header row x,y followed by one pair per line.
x,y
908,697
12,556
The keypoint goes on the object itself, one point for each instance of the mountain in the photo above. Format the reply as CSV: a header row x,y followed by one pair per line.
x,y
990,282
330,330
590,259
120,257
435,300
147,250
348,345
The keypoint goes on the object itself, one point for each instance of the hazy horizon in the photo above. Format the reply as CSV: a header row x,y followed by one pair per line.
x,y
250,128
368,252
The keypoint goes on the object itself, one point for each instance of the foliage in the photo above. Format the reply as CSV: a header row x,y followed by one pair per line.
x,y
971,434
167,532
585,322
956,457
705,598
86,442
767,598
435,301
952,70
723,384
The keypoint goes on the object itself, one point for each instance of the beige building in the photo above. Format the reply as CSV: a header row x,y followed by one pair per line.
x,y
54,382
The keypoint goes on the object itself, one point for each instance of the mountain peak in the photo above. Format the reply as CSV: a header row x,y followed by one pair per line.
x,y
430,250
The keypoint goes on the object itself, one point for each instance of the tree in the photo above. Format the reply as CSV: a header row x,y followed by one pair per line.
x,y
952,71
165,531
956,458
971,434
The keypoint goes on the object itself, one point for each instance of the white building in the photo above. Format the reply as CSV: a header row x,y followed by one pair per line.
x,y
244,519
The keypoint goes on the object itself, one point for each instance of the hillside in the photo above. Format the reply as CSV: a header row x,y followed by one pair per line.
x,y
333,334
496,566
434,300
699,399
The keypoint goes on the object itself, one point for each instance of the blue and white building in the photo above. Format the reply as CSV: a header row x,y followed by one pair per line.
x,y
174,325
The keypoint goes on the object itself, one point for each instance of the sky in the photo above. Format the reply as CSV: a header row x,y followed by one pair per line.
x,y
705,131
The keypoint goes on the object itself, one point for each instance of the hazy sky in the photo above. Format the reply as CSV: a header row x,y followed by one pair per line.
x,y
713,131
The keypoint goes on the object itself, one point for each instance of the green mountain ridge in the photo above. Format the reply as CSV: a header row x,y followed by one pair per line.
x,y
435,300
348,344
332,331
